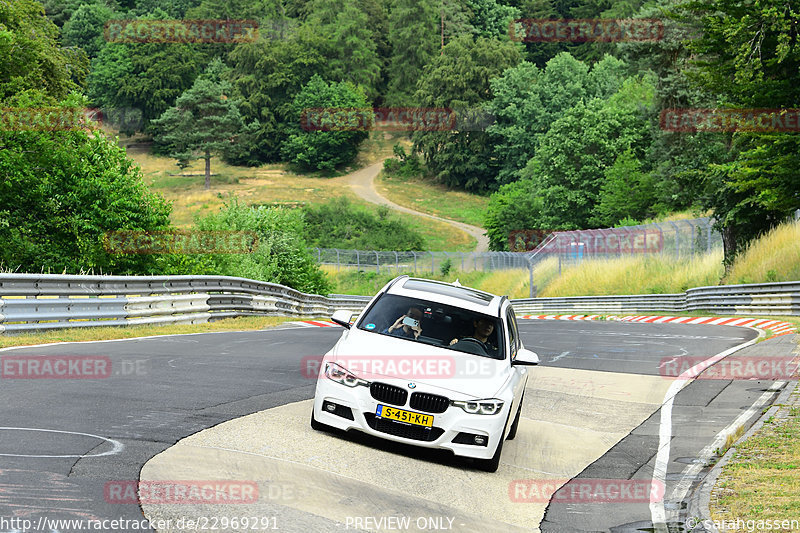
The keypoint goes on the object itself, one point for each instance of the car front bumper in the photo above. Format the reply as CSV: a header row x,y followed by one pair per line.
x,y
446,426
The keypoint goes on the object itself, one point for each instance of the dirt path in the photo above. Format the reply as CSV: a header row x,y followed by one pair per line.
x,y
363,184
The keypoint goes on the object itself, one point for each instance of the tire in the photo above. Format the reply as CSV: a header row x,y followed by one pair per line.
x,y
512,432
491,465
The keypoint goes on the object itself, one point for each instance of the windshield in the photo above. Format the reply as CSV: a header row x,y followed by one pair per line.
x,y
436,324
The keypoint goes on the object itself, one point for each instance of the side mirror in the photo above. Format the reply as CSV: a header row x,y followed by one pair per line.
x,y
526,357
342,317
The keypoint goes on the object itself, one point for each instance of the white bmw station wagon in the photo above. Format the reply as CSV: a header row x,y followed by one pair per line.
x,y
431,364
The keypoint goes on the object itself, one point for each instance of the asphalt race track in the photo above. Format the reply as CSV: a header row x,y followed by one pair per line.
x,y
592,412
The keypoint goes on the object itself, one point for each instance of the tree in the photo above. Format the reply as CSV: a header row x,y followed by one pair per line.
x,y
204,120
514,206
491,19
267,75
527,101
749,56
324,149
414,35
85,27
350,46
570,165
30,56
627,192
86,186
143,76
459,79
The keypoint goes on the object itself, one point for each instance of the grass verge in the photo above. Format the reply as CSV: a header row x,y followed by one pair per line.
x,y
109,333
761,481
433,198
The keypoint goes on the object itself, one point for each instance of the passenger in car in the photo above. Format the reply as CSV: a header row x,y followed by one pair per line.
x,y
408,325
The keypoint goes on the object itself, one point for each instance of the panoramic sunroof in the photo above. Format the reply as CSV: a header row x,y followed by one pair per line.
x,y
462,293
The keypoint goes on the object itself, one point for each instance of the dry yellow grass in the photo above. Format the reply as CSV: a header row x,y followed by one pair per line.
x,y
774,257
636,275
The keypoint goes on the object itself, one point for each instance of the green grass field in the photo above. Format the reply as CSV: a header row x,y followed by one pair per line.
x,y
433,198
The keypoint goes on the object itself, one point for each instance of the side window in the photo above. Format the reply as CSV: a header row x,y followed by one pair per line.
x,y
513,334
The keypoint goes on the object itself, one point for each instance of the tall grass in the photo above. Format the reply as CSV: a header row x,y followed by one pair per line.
x,y
774,257
636,275
513,283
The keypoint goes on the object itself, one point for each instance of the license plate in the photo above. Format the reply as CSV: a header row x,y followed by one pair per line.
x,y
401,415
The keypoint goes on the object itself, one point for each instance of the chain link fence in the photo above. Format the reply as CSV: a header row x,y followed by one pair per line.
x,y
678,239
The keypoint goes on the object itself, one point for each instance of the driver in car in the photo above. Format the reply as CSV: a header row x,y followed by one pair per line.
x,y
407,325
483,328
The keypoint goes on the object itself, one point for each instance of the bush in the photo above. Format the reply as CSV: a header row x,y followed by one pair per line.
x,y
281,255
405,166
61,192
340,224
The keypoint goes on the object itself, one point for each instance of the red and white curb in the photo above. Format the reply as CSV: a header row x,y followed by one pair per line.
x,y
312,324
774,328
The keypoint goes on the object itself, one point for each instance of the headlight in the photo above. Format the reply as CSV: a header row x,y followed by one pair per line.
x,y
491,406
341,375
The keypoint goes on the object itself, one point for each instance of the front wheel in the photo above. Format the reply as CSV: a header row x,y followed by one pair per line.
x,y
491,465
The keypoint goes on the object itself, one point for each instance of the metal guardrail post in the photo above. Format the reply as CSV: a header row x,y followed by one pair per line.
x,y
415,262
377,263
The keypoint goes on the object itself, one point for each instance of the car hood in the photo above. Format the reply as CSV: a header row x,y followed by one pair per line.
x,y
373,356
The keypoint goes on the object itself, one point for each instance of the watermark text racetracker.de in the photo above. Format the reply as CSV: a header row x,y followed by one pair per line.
x,y
180,242
68,367
579,490
181,31
52,118
191,492
762,120
401,366
395,119
731,368
187,523
585,30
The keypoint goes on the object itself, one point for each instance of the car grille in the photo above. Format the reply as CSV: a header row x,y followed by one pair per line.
x,y
383,392
430,403
400,429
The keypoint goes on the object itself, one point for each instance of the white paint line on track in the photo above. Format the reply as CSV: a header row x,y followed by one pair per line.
x,y
657,510
691,472
117,446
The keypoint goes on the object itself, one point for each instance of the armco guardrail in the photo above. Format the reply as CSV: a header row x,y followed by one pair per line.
x,y
603,304
30,302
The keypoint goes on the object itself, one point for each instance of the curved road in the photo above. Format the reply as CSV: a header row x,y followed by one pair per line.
x,y
363,184
592,412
